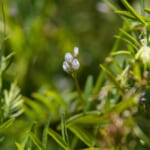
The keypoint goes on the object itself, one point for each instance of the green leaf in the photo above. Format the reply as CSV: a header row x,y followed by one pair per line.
x,y
90,117
96,117
121,52
45,135
46,101
88,90
133,12
34,105
131,38
36,141
58,139
82,134
7,124
126,14
88,87
63,129
127,41
56,97
19,147
99,82
147,10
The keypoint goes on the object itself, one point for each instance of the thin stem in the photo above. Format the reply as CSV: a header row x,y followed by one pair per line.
x,y
74,75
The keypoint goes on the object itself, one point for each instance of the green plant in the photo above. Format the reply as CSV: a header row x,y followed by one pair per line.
x,y
112,113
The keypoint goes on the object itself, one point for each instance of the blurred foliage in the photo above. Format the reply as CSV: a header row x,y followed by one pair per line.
x,y
111,112
40,32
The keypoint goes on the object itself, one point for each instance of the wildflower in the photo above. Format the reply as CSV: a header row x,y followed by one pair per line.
x,y
68,57
71,62
75,64
144,55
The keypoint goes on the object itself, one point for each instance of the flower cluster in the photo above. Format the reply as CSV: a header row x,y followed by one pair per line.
x,y
71,62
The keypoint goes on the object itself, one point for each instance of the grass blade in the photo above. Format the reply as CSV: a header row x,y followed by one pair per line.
x,y
58,138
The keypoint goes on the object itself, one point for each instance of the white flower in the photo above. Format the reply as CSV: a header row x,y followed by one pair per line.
x,y
71,63
66,67
75,64
76,51
144,55
68,57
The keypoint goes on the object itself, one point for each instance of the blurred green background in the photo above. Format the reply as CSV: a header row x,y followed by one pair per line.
x,y
39,32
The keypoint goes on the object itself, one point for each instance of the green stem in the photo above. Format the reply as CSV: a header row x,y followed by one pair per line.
x,y
74,75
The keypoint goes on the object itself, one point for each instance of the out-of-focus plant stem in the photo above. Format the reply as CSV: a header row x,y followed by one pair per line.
x,y
74,75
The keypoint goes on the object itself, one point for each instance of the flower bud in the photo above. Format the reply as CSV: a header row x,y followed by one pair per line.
x,y
66,67
68,57
71,64
76,51
144,55
75,64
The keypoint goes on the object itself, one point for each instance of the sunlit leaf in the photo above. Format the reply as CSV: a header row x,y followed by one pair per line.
x,y
58,138
36,141
125,14
19,147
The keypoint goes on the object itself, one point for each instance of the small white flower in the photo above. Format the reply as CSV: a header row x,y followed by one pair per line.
x,y
76,51
144,55
71,63
68,57
66,67
75,64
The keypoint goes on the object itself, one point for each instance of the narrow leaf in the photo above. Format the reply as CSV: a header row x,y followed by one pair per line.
x,y
127,41
56,97
147,10
88,87
88,91
125,14
133,12
36,141
130,37
63,129
19,147
91,117
45,135
47,102
7,124
121,52
58,138
82,134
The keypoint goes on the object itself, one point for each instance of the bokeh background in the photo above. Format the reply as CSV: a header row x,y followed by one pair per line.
x,y
39,32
